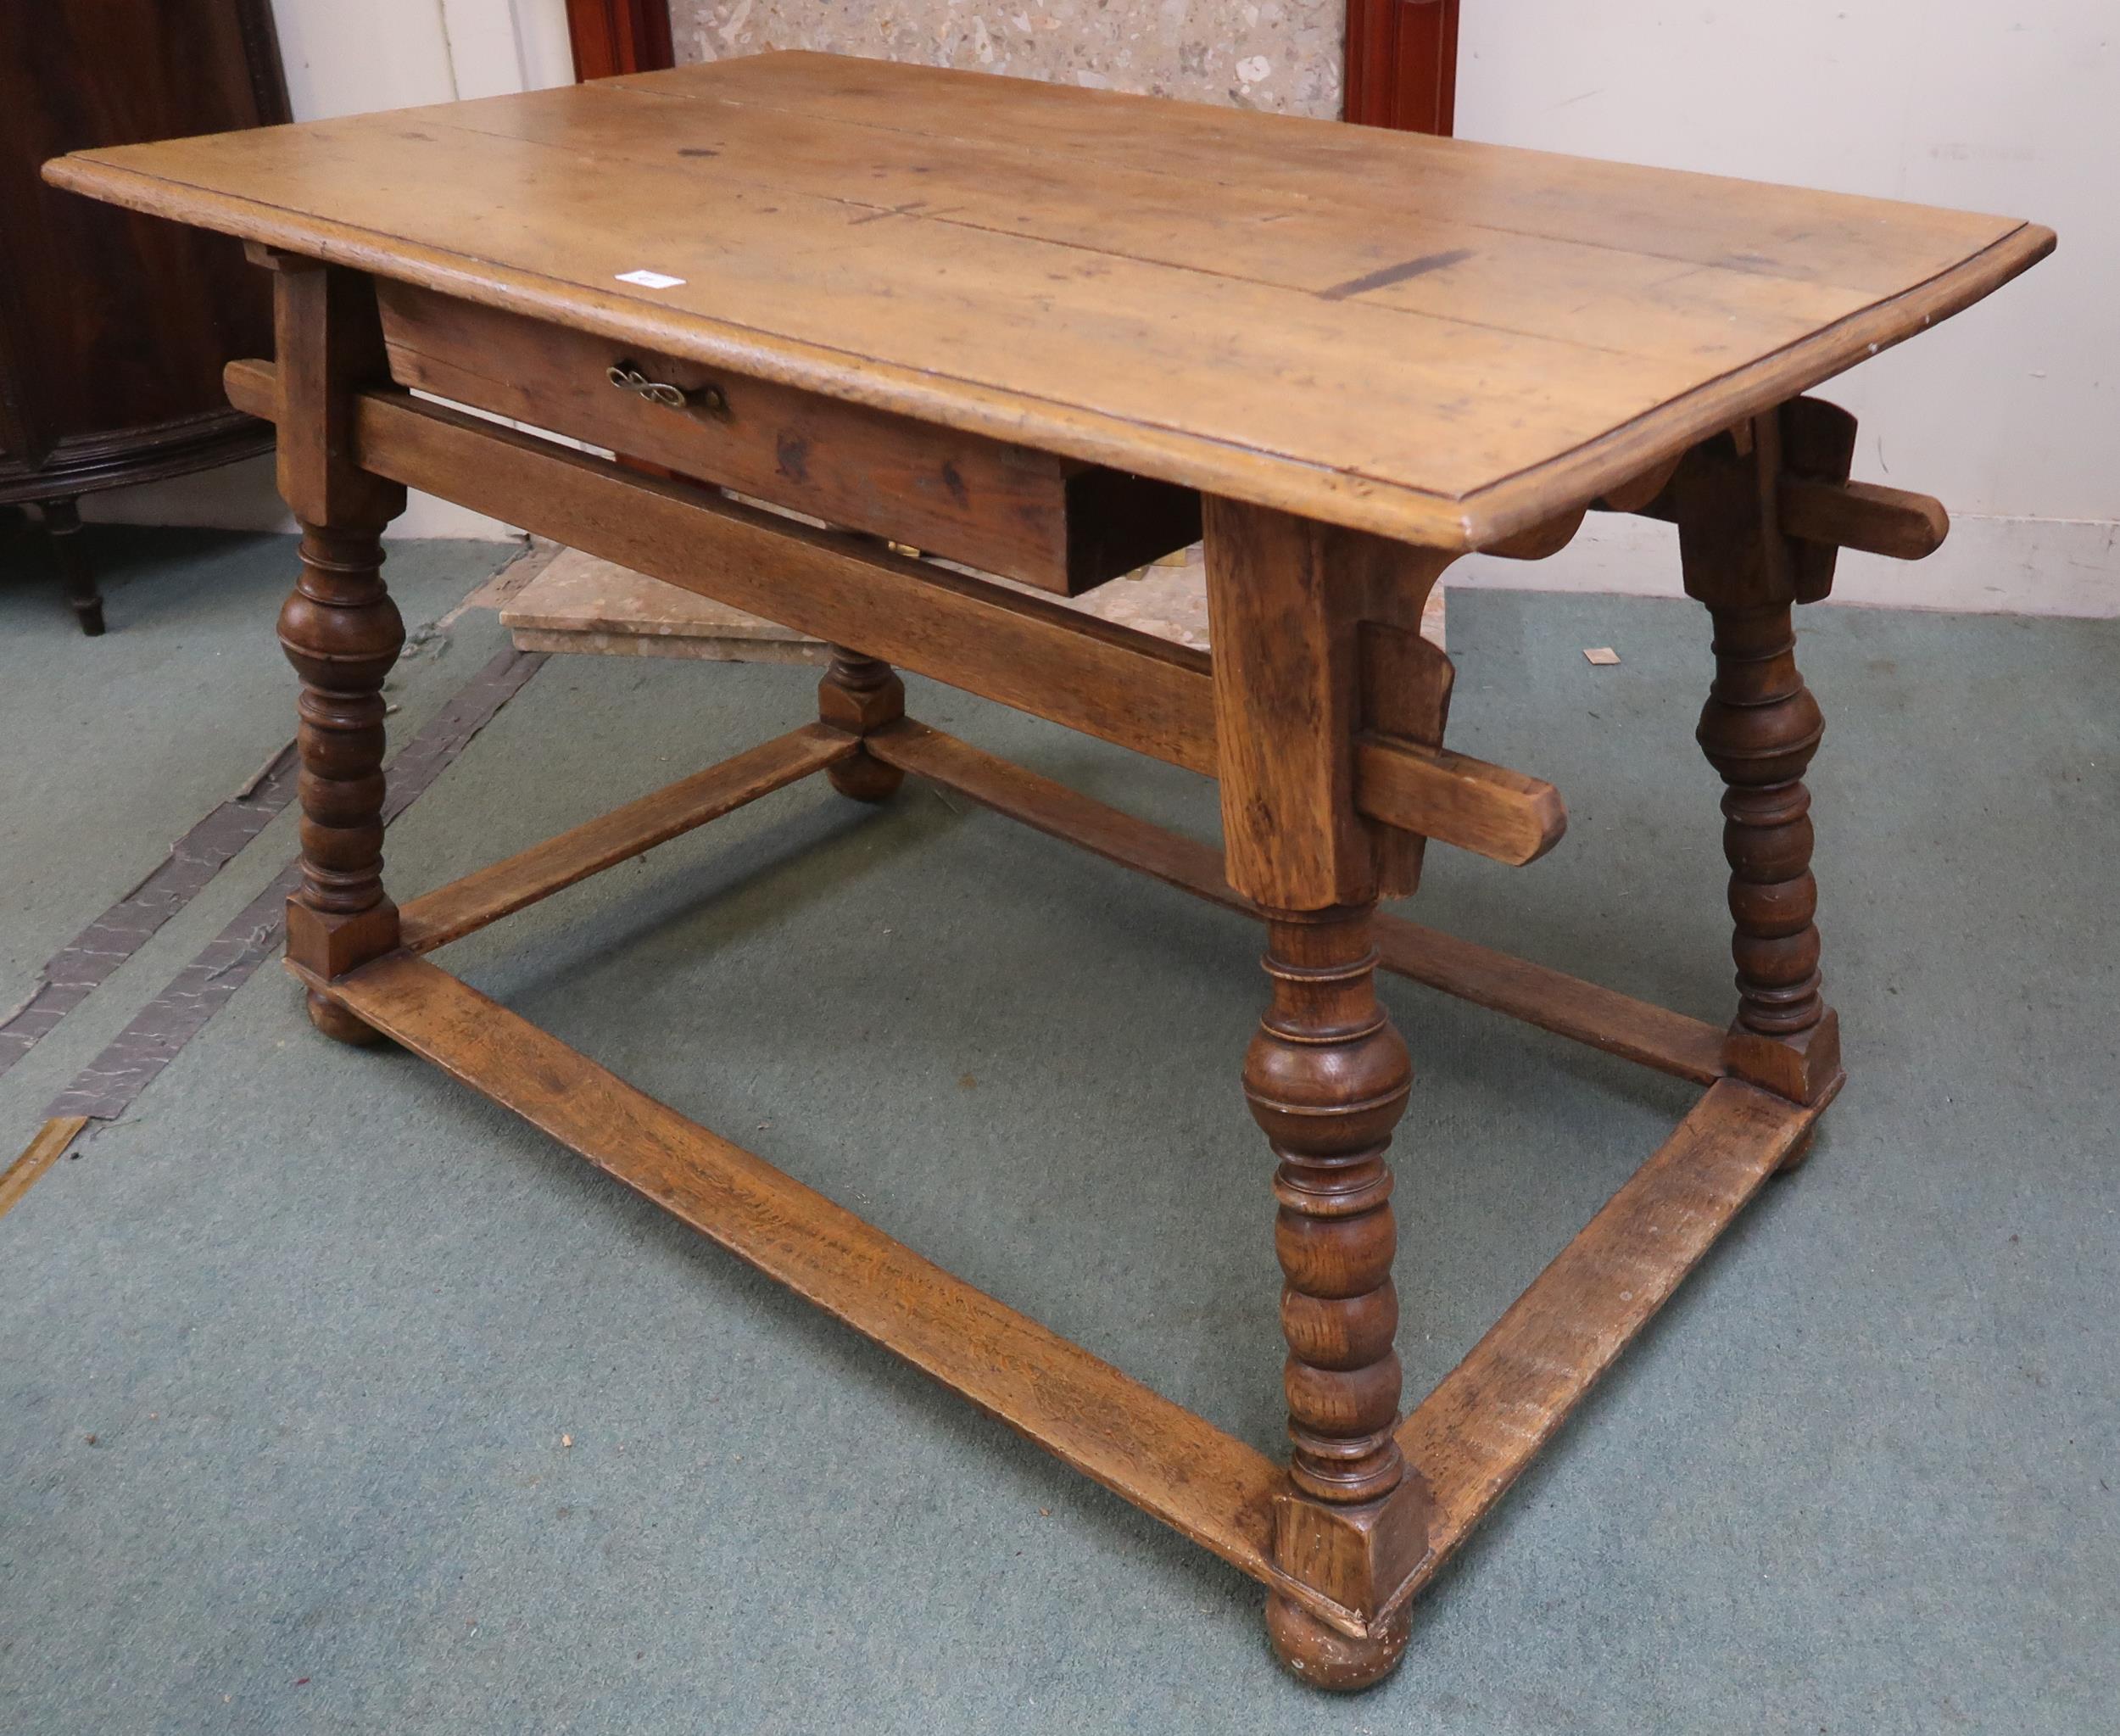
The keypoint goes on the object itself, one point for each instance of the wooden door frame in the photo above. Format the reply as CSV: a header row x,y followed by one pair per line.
x,y
619,35
1402,65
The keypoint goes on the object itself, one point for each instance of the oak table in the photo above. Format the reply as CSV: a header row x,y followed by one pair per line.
x,y
1050,334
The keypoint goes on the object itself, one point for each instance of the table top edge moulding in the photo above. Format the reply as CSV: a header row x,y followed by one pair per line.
x,y
1382,400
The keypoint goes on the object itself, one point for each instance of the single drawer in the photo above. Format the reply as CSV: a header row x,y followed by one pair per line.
x,y
1048,522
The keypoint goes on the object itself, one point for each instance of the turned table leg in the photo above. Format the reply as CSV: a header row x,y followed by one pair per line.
x,y
339,629
860,694
1316,637
1327,1078
1759,729
62,525
342,633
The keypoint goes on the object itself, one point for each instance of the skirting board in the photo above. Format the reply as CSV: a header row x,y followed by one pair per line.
x,y
1987,565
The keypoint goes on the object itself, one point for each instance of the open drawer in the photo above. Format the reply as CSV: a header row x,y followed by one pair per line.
x,y
1049,522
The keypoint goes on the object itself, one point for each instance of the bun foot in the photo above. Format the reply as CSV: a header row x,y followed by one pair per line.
x,y
338,1024
1327,1658
865,778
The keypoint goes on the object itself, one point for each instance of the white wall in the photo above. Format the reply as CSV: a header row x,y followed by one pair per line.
x,y
2010,412
350,57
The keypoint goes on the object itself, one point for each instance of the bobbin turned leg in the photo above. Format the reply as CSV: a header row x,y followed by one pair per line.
x,y
1327,1078
340,629
1316,634
341,633
1761,727
860,694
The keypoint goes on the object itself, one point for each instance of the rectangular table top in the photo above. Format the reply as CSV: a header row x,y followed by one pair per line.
x,y
1437,340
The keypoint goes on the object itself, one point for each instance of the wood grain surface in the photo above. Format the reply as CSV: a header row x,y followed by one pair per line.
x,y
1028,514
1439,341
1136,688
1213,1488
1471,1437
46,1147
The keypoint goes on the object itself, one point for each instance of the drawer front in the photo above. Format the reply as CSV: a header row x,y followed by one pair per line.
x,y
1026,515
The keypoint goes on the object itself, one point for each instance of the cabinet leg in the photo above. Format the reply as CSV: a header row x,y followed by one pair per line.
x,y
1327,1079
860,694
341,633
62,524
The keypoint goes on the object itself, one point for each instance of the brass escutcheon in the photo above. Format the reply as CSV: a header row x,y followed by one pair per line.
x,y
628,378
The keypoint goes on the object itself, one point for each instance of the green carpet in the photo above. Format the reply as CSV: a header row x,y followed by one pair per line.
x,y
116,746
331,1319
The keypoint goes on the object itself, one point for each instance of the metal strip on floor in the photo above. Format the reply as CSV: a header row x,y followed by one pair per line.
x,y
72,974
85,962
108,1087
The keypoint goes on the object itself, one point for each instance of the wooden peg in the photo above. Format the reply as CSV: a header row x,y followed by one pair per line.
x,y
1779,503
1866,516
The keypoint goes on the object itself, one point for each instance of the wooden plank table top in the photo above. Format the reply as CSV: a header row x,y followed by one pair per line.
x,y
1437,341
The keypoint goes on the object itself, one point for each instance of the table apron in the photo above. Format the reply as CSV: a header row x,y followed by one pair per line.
x,y
1022,649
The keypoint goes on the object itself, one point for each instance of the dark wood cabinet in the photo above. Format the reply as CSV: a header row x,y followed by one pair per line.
x,y
114,328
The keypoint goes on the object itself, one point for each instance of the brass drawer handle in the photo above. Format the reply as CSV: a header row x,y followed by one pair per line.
x,y
628,378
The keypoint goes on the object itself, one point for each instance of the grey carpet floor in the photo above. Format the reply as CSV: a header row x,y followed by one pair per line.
x,y
332,1321
112,748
